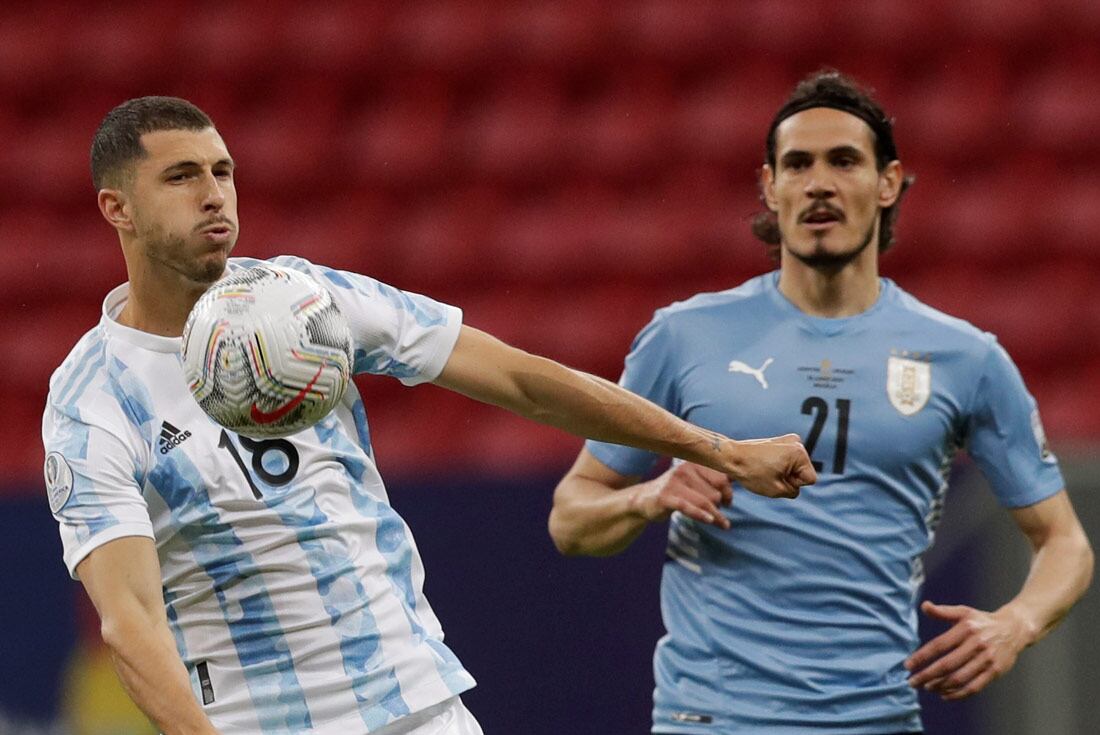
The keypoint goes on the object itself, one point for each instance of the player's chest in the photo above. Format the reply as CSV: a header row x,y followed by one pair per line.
x,y
881,403
194,462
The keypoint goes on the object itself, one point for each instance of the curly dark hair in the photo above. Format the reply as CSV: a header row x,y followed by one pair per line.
x,y
117,141
830,88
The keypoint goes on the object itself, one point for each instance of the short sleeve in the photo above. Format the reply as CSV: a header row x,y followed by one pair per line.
x,y
397,333
650,372
1005,436
92,486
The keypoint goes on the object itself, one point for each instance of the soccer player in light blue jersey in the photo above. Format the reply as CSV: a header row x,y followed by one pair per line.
x,y
267,587
801,618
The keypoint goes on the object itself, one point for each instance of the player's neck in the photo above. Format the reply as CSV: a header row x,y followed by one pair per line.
x,y
158,302
822,292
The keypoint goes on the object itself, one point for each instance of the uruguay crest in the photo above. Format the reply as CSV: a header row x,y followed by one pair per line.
x,y
908,383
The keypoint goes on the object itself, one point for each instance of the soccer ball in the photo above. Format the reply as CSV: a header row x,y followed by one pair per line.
x,y
266,352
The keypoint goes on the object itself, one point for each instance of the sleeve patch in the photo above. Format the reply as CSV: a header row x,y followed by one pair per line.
x,y
59,481
1041,437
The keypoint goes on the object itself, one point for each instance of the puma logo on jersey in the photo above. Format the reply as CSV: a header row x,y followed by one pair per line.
x,y
736,366
171,437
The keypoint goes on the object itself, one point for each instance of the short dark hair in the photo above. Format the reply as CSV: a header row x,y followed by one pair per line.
x,y
830,88
117,141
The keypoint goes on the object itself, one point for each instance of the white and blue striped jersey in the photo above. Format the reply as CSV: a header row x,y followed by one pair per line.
x,y
293,589
798,618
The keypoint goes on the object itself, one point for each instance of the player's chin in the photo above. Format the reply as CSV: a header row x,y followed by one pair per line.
x,y
829,250
208,267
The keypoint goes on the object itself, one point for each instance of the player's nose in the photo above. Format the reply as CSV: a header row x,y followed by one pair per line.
x,y
213,194
820,184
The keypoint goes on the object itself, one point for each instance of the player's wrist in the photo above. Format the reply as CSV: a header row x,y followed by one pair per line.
x,y
1026,630
639,502
734,459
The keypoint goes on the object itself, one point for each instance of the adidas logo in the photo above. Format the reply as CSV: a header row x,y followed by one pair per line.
x,y
171,437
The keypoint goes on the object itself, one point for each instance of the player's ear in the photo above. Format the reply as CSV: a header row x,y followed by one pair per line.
x,y
115,207
767,187
889,183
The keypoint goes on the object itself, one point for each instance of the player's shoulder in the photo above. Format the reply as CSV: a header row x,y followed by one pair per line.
x,y
83,360
929,319
76,386
749,296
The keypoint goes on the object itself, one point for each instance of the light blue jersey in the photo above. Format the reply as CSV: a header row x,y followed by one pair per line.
x,y
798,618
293,589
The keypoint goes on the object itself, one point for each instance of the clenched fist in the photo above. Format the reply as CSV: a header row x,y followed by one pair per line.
x,y
776,468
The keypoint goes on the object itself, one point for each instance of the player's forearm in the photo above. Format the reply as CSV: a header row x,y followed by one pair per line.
x,y
152,673
486,369
591,519
595,408
1061,570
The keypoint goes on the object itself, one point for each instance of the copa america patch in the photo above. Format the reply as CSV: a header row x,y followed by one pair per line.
x,y
59,481
908,384
1041,437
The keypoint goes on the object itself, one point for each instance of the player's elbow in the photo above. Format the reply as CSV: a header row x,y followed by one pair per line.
x,y
124,627
1076,544
564,540
114,631
1088,560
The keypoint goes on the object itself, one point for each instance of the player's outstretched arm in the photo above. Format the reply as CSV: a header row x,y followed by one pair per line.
x,y
123,579
484,368
981,646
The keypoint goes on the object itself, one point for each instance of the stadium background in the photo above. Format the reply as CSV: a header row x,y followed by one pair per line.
x,y
559,170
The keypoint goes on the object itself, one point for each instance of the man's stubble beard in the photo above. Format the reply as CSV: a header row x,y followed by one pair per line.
x,y
833,262
170,251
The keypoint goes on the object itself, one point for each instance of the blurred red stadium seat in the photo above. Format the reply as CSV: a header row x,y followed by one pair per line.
x,y
622,133
442,34
284,143
132,44
344,232
228,44
21,460
725,119
39,339
342,38
671,31
796,34
399,139
1037,316
1069,401
50,163
556,35
1058,107
912,26
1071,219
44,250
957,111
27,65
515,136
445,240
1015,22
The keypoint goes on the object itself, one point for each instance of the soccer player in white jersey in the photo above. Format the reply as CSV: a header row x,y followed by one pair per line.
x,y
267,586
803,619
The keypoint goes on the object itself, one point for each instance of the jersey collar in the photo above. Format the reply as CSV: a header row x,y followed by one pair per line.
x,y
829,326
112,306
